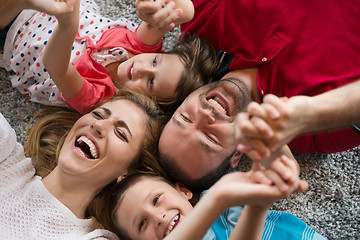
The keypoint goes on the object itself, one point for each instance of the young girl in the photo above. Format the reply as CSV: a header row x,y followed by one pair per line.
x,y
105,56
97,148
150,207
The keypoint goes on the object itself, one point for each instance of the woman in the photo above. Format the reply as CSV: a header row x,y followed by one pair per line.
x,y
116,137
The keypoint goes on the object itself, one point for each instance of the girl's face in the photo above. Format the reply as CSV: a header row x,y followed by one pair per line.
x,y
102,144
156,75
151,208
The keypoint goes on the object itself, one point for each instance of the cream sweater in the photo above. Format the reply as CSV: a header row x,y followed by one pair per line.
x,y
27,209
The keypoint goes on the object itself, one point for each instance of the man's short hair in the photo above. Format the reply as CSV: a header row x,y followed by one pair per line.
x,y
195,185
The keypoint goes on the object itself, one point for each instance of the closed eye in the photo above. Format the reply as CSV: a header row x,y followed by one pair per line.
x,y
97,115
211,138
121,135
185,117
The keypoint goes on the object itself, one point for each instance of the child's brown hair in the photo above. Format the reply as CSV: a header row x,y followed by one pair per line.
x,y
199,59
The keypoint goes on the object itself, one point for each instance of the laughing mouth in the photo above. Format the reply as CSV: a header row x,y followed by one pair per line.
x,y
87,147
173,223
219,103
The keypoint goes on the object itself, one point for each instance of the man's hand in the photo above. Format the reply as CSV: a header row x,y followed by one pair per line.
x,y
266,127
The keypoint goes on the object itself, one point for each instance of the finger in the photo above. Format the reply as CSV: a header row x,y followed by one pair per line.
x,y
260,178
271,111
255,109
262,127
277,180
149,6
283,170
278,103
292,166
258,150
303,186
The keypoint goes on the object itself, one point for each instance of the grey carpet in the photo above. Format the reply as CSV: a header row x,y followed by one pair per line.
x,y
332,204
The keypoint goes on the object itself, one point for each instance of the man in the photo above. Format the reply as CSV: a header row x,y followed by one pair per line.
x,y
292,48
198,144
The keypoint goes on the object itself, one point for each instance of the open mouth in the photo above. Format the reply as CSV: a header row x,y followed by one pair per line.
x,y
218,102
172,224
87,147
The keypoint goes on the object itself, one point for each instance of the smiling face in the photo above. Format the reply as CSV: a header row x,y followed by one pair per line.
x,y
201,133
102,144
151,208
156,75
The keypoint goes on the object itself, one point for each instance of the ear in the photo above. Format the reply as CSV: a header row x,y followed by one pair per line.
x,y
235,159
121,177
182,189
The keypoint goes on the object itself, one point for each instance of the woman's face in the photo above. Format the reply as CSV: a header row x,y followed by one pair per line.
x,y
103,143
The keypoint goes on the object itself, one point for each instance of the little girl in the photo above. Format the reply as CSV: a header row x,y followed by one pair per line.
x,y
89,56
150,207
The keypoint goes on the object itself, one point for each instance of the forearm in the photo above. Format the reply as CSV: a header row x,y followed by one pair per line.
x,y
196,224
250,224
57,56
334,109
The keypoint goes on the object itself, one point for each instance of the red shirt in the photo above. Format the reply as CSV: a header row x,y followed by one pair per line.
x,y
300,48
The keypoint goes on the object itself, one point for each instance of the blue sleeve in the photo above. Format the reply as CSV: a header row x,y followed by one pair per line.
x,y
278,225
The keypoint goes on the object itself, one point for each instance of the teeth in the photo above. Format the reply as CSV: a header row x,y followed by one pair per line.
x,y
217,105
172,224
92,147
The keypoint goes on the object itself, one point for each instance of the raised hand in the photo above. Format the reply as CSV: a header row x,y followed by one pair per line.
x,y
52,7
266,127
259,186
158,13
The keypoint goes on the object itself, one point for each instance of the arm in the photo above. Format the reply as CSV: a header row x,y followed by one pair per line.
x,y
64,74
160,17
9,9
240,188
277,121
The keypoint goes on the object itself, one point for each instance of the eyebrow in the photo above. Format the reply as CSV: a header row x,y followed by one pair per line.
x,y
121,123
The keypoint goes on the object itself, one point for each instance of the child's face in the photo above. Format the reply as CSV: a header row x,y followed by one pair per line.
x,y
154,74
151,208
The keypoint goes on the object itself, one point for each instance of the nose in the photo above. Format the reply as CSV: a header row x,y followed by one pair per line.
x,y
143,71
159,218
98,127
204,117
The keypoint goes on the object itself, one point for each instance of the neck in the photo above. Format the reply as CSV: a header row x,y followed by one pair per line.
x,y
71,191
249,77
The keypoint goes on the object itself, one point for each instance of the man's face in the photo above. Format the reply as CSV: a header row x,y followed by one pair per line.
x,y
201,133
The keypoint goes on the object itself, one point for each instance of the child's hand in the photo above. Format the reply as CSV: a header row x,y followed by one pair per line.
x,y
282,173
52,7
160,14
259,187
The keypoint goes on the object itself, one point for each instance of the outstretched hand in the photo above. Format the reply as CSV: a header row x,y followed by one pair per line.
x,y
260,186
160,14
266,127
52,7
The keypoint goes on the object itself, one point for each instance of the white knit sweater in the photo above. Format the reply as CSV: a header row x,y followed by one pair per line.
x,y
27,208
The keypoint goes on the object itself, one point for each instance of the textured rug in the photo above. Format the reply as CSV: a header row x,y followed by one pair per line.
x,y
332,204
